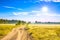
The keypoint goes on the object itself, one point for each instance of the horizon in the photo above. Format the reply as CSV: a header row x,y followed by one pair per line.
x,y
30,10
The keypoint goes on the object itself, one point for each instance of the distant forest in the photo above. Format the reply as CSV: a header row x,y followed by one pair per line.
x,y
5,21
36,22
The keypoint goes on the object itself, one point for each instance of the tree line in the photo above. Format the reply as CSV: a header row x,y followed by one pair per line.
x,y
17,22
4,21
47,22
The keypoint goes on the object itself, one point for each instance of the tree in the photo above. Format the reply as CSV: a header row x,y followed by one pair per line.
x,y
36,22
23,22
18,23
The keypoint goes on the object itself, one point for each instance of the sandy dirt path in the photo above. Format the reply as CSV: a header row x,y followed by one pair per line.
x,y
18,34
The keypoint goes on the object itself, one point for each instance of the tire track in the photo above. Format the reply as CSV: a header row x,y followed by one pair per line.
x,y
18,34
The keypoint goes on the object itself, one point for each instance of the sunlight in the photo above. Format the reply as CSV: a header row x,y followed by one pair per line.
x,y
44,9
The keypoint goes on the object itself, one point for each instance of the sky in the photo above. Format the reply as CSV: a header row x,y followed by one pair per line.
x,y
30,10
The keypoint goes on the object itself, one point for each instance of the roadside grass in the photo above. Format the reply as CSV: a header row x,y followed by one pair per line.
x,y
37,31
44,31
5,29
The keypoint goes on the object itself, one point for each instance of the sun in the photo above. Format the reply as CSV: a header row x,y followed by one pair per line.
x,y
44,9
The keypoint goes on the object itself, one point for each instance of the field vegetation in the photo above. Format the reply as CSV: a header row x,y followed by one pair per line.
x,y
37,31
45,31
5,29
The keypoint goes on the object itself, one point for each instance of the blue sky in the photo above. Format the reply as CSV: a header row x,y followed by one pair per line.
x,y
30,10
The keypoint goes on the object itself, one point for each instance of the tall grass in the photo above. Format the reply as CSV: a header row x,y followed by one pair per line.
x,y
5,29
38,32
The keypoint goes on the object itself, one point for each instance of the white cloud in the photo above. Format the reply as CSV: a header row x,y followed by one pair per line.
x,y
38,16
35,11
56,0
12,7
19,9
39,13
24,13
16,13
20,13
37,1
52,14
51,0
8,7
45,17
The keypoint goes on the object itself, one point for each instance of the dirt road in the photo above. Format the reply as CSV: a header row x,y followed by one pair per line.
x,y
18,34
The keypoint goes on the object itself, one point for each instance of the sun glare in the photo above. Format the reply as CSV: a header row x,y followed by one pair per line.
x,y
44,9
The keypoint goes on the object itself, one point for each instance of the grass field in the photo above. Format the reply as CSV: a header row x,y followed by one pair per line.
x,y
45,25
45,31
37,31
5,29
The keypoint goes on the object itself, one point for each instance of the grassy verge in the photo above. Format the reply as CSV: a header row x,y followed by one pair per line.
x,y
5,29
37,31
44,32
